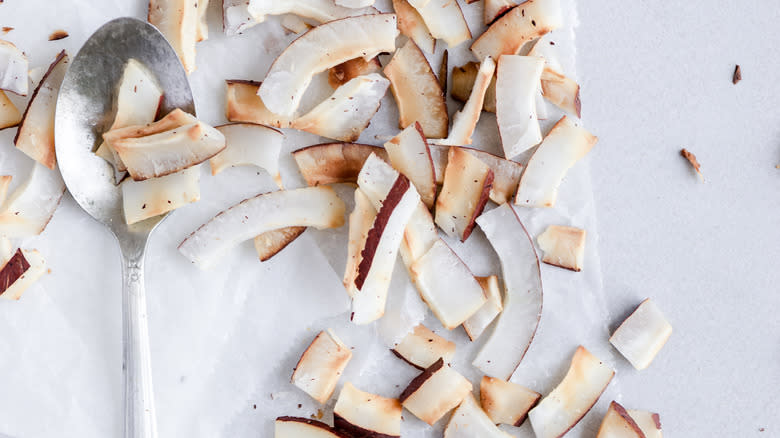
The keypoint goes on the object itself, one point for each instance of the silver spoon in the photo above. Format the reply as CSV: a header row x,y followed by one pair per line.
x,y
84,112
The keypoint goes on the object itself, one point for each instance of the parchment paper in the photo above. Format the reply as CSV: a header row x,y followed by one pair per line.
x,y
225,341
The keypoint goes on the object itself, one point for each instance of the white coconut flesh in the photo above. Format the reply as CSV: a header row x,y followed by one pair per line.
x,y
517,86
444,20
476,324
642,335
409,154
470,421
152,197
28,210
248,144
13,69
421,348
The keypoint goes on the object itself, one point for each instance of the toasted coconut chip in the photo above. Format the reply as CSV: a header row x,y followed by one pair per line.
x,y
409,154
648,422
348,111
564,145
319,49
516,326
494,9
295,427
579,390
688,155
317,207
244,105
170,151
360,222
436,391
236,17
13,69
363,414
202,31
516,88
419,236
144,199
320,367
470,421
9,114
35,136
523,23
411,24
20,272
476,324
642,335
562,91
249,144
467,184
544,47
348,70
421,348
321,11
465,120
506,402
31,206
563,246
377,259
506,173
355,4
272,242
463,78
178,20
618,423
58,35
294,23
417,91
444,19
138,100
334,162
5,182
447,285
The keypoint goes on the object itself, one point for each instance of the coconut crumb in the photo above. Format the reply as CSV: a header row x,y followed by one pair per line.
x,y
7,29
58,35
737,75
688,155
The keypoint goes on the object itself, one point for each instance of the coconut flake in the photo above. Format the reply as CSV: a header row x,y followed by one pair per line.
x,y
464,194
506,402
470,421
617,423
321,11
13,69
29,265
476,324
348,70
330,163
31,206
563,246
506,173
249,144
272,242
642,335
145,199
436,391
421,348
296,427
359,413
411,24
521,24
9,114
409,154
320,367
179,21
244,105
516,88
360,222
444,19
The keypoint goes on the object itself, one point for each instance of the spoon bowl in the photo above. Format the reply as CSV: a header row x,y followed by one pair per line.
x,y
85,109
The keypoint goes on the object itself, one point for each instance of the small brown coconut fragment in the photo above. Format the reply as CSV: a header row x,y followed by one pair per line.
x,y
618,423
12,270
422,348
330,163
22,270
506,402
271,243
563,246
7,29
434,392
688,155
443,70
320,367
737,75
58,35
344,72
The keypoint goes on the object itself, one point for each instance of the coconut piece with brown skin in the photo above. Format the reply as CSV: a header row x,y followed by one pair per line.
x,y
464,194
470,421
563,246
506,402
362,414
518,26
272,242
296,427
244,105
642,335
9,114
411,24
360,222
319,11
691,158
417,91
23,269
476,324
331,163
494,9
320,367
506,173
348,70
436,391
649,422
152,197
179,21
617,423
410,154
421,348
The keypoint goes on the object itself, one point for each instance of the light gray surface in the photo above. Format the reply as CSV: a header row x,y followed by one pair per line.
x,y
657,77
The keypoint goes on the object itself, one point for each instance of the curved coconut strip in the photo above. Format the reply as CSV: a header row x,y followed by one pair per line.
x,y
348,111
319,49
523,23
642,335
31,206
377,259
444,19
169,152
476,324
579,390
506,173
649,422
152,197
9,114
434,392
249,144
296,427
564,145
35,136
421,348
563,246
13,69
20,272
494,9
244,105
562,91
506,402
330,163
516,326
617,423
317,207
470,421
360,222
409,154
464,194
321,11
236,17
5,182
411,24
417,91
348,70
359,413
272,242
517,85
463,78
447,285
465,120
320,367
178,20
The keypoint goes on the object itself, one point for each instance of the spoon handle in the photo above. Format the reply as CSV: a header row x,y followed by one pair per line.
x,y
140,421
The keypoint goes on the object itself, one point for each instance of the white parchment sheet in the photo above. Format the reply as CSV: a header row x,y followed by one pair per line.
x,y
225,341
